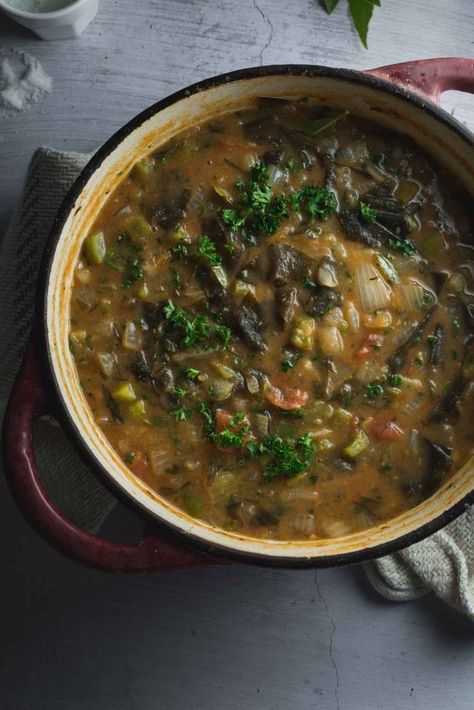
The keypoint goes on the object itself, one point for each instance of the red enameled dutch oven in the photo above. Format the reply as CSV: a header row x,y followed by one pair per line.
x,y
403,97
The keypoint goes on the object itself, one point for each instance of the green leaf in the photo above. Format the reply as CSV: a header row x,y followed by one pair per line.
x,y
321,124
330,5
361,12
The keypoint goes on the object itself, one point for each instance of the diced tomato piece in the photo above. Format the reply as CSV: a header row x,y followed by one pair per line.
x,y
223,420
386,429
371,342
139,465
285,396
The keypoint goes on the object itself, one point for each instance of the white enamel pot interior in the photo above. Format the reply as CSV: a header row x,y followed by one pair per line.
x,y
365,95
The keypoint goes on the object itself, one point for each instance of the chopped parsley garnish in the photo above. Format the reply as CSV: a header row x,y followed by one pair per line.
x,y
228,439
180,392
207,249
394,380
192,373
180,250
181,413
207,414
195,328
368,213
374,389
319,202
258,209
130,457
286,458
289,361
133,271
223,333
405,246
234,435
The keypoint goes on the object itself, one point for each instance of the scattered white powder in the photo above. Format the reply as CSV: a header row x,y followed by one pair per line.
x,y
39,5
23,82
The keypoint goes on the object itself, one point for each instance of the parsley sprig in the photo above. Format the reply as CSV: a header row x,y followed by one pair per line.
x,y
258,209
319,202
368,213
287,458
207,250
195,329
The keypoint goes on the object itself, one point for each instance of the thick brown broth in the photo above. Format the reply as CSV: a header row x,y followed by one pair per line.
x,y
272,318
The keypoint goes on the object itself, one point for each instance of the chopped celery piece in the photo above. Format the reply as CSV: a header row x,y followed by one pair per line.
x,y
193,504
356,447
223,486
143,291
241,289
125,393
78,336
303,332
387,269
141,170
95,248
220,275
179,236
107,363
138,229
407,191
321,409
137,409
222,192
342,415
227,373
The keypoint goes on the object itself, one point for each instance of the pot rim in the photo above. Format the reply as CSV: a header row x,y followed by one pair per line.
x,y
106,477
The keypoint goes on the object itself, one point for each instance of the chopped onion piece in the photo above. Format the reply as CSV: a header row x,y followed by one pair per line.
x,y
252,383
378,321
107,363
86,297
131,339
304,494
262,424
373,291
326,274
330,340
352,316
304,524
413,296
276,175
160,461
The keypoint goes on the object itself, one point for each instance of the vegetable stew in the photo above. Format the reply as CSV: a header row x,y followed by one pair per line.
x,y
272,321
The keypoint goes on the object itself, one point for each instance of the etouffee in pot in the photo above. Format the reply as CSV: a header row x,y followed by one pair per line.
x,y
272,321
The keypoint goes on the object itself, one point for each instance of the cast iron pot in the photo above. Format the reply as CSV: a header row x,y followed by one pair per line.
x,y
402,97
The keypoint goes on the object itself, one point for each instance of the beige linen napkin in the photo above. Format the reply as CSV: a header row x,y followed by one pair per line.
x,y
443,563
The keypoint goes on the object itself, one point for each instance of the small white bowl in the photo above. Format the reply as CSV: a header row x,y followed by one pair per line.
x,y
68,22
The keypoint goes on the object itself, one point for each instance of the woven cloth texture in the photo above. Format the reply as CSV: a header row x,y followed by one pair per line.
x,y
443,563
72,486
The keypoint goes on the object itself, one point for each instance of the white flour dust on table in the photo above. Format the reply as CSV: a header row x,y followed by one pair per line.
x,y
23,82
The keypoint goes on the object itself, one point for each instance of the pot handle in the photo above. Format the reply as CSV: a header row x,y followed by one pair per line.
x,y
430,77
27,403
